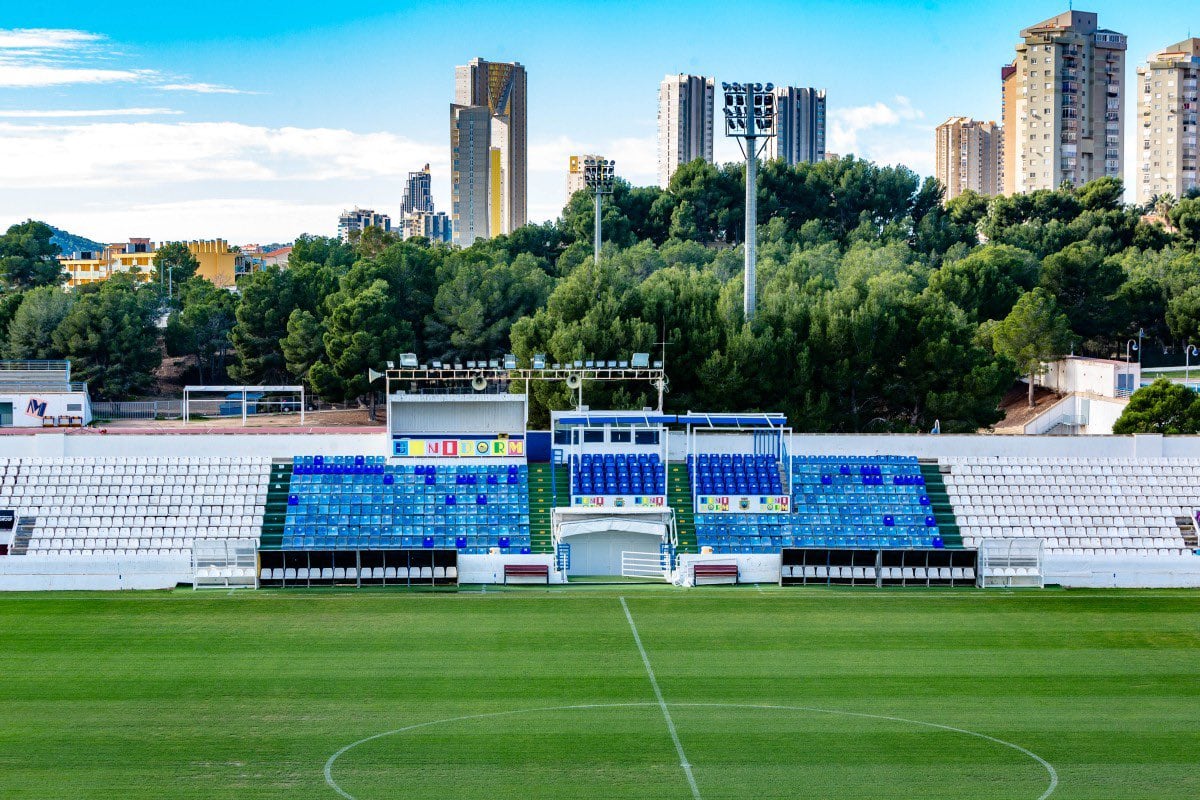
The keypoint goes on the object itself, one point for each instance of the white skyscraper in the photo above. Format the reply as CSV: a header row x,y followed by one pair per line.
x,y
685,122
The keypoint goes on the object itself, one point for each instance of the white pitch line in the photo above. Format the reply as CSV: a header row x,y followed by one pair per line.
x,y
329,764
1053,773
666,712
589,706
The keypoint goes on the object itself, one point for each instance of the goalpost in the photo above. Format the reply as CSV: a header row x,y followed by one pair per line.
x,y
242,400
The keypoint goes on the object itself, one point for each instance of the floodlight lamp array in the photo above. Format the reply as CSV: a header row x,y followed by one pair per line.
x,y
599,174
749,109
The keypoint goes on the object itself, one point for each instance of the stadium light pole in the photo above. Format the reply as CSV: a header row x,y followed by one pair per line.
x,y
598,174
749,117
1188,352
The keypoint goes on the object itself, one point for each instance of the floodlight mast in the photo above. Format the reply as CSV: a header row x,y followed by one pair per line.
x,y
598,174
750,116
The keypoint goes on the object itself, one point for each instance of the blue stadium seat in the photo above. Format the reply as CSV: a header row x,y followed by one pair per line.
x,y
617,473
361,502
741,474
837,501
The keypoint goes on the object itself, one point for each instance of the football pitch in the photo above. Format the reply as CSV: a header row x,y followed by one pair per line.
x,y
601,692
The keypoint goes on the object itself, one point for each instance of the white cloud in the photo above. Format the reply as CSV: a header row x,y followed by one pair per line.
x,y
61,113
239,219
16,76
43,57
44,38
888,133
125,154
637,162
201,88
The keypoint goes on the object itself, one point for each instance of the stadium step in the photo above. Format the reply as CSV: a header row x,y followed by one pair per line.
x,y
548,489
22,535
275,510
939,500
679,497
1187,529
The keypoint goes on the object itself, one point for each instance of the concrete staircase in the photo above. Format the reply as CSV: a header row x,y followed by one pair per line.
x,y
939,498
549,488
679,497
275,511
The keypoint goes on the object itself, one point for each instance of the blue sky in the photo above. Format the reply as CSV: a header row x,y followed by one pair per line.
x,y
256,121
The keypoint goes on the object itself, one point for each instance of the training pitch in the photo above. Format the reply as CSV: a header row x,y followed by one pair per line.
x,y
601,692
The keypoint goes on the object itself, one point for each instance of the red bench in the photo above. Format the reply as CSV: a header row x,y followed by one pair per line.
x,y
718,572
527,571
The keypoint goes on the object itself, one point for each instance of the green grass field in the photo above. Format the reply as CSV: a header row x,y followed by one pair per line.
x,y
544,694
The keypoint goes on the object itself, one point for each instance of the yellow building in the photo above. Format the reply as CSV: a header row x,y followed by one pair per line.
x,y
217,262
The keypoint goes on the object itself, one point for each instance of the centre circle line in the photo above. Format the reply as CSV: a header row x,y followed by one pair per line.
x,y
580,707
1050,770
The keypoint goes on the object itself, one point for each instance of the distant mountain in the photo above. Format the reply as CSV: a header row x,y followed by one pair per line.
x,y
70,243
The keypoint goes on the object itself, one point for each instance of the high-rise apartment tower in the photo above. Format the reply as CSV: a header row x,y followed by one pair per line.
x,y
1067,84
969,156
685,122
1167,107
799,126
418,192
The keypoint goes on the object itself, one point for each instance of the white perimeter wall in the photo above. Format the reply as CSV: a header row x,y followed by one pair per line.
x,y
958,445
752,567
128,445
278,445
106,573
490,568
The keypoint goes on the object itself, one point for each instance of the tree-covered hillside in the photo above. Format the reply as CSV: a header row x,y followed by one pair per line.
x,y
880,307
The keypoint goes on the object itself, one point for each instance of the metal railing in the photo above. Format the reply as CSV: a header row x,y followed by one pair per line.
x,y
148,409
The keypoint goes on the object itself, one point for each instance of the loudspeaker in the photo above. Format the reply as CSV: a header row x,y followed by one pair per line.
x,y
479,383
573,380
373,376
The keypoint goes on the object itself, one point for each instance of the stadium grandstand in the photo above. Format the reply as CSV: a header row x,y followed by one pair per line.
x,y
457,489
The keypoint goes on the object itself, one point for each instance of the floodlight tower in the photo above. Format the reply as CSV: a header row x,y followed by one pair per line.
x,y
599,174
749,117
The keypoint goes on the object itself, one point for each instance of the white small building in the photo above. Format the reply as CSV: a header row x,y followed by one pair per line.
x,y
1096,392
40,394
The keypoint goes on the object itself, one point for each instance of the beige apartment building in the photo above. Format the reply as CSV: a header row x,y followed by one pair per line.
x,y
1065,96
1008,124
1167,107
969,156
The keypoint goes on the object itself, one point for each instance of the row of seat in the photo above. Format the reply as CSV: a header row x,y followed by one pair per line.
x,y
42,550
618,474
132,461
1100,462
154,484
132,539
886,573
1061,547
355,573
741,474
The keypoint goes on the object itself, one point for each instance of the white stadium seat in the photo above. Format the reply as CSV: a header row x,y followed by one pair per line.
x,y
135,506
